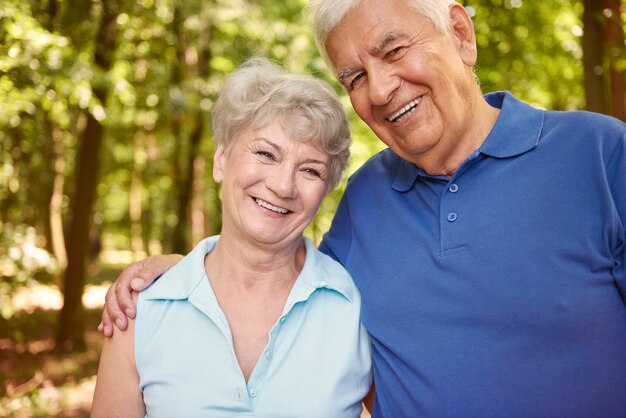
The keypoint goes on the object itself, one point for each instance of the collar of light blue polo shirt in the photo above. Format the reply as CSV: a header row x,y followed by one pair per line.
x,y
184,279
516,131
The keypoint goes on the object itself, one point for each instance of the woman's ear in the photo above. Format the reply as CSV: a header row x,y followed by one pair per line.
x,y
218,164
464,35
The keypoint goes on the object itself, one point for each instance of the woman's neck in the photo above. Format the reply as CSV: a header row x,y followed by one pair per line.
x,y
253,268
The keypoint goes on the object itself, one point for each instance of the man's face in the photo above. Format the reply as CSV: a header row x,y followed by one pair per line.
x,y
407,81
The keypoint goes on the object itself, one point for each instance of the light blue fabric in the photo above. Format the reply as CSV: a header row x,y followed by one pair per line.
x,y
316,364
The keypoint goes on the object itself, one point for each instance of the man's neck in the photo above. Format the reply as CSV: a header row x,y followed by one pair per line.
x,y
447,163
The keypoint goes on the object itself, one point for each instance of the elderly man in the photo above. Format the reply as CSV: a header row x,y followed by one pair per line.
x,y
488,242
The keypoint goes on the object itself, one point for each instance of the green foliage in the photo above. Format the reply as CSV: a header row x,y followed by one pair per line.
x,y
532,49
170,60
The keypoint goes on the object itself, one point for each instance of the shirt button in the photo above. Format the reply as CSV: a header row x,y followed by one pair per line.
x,y
452,216
282,319
453,188
268,354
253,393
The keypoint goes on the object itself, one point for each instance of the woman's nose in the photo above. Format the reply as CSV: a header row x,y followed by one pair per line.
x,y
283,183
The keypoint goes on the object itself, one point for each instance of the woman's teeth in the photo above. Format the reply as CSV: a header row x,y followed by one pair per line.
x,y
273,208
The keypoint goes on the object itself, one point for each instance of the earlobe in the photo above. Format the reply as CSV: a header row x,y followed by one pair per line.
x,y
218,164
463,32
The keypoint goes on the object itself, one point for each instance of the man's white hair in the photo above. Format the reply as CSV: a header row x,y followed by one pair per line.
x,y
327,14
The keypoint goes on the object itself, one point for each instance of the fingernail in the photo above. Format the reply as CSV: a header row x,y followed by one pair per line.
x,y
129,313
119,323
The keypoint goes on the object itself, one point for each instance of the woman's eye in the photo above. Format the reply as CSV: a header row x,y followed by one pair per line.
x,y
267,155
312,172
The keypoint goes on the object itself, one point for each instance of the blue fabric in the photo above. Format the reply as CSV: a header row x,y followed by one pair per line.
x,y
498,292
317,362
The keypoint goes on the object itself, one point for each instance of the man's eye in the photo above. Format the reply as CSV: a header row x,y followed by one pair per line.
x,y
356,80
395,53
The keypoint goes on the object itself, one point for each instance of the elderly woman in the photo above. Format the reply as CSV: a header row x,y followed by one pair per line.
x,y
255,321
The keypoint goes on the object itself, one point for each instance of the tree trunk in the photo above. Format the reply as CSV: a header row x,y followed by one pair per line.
x,y
198,209
592,57
179,233
614,46
57,237
71,326
181,243
134,204
153,246
70,331
185,229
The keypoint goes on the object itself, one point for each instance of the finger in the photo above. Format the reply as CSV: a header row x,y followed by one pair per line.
x,y
113,309
125,305
122,293
106,326
152,268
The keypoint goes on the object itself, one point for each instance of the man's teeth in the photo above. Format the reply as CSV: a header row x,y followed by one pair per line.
x,y
405,110
273,208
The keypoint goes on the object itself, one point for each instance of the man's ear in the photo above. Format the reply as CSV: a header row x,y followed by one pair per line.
x,y
464,35
218,164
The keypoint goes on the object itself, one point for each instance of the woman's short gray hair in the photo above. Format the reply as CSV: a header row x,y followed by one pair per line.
x,y
259,92
327,14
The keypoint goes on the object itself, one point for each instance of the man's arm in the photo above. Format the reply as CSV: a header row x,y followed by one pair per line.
x,y
616,172
135,277
117,391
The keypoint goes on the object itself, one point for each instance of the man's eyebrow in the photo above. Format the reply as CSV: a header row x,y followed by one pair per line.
x,y
345,73
380,46
375,50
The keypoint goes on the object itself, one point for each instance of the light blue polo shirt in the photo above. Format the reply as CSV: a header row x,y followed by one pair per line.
x,y
316,364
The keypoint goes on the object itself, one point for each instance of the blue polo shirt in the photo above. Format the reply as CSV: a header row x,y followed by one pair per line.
x,y
498,292
316,364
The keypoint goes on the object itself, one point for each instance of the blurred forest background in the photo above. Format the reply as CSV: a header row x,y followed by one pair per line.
x,y
105,144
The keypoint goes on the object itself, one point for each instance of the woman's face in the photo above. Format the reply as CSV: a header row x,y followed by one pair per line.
x,y
272,185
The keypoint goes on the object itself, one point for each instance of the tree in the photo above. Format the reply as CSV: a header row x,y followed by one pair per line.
x,y
604,51
70,332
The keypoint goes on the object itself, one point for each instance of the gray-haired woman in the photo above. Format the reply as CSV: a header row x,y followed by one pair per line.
x,y
255,321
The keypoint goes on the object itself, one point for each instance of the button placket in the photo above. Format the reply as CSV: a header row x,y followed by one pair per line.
x,y
452,216
450,205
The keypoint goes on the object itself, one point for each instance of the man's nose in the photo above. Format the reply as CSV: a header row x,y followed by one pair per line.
x,y
382,84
